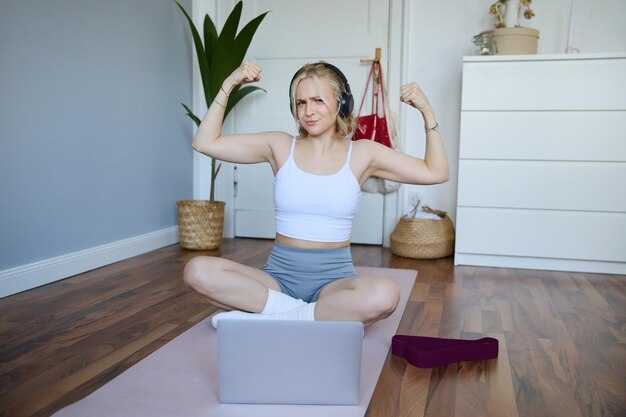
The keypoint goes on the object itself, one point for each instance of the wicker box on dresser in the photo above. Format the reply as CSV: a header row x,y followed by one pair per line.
x,y
542,163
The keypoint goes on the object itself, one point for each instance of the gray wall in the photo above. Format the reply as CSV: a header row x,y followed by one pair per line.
x,y
94,145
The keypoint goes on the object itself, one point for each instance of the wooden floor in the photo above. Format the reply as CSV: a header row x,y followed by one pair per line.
x,y
562,335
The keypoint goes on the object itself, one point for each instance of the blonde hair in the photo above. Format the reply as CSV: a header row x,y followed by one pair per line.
x,y
318,72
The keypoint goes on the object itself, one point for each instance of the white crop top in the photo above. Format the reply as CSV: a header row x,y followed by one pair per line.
x,y
315,207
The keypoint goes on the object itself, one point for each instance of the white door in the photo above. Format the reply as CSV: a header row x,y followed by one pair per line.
x,y
296,32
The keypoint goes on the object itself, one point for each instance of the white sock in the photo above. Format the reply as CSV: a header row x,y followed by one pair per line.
x,y
278,302
304,312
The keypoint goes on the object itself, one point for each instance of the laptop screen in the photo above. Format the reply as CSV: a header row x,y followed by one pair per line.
x,y
289,362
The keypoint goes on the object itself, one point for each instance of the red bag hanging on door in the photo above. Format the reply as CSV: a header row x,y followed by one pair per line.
x,y
373,126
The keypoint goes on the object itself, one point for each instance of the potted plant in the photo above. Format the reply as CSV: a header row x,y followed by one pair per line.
x,y
201,222
510,37
509,17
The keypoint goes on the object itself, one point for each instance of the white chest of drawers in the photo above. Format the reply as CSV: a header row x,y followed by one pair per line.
x,y
542,163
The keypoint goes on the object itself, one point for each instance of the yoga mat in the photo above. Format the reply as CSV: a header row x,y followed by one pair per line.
x,y
180,378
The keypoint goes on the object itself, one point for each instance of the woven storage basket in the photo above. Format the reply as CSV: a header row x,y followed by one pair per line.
x,y
423,238
200,224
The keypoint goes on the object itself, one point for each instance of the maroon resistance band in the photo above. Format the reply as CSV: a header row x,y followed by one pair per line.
x,y
430,352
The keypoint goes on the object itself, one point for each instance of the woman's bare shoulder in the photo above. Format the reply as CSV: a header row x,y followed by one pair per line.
x,y
274,136
274,139
366,144
367,152
280,144
278,140
364,147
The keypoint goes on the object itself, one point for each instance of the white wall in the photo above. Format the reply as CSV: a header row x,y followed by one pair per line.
x,y
440,35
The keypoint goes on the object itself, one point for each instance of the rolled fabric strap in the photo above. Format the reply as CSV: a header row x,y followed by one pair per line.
x,y
430,352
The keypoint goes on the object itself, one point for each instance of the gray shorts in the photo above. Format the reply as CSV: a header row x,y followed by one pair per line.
x,y
303,273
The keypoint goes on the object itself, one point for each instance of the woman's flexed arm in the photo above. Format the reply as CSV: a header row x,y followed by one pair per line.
x,y
238,148
435,156
400,167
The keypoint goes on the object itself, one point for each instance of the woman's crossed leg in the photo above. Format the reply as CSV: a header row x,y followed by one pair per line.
x,y
233,286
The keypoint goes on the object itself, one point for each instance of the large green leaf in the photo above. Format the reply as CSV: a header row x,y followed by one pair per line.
x,y
202,61
243,40
210,38
221,62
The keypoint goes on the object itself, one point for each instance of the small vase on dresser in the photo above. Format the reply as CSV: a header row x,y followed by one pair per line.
x,y
509,36
511,13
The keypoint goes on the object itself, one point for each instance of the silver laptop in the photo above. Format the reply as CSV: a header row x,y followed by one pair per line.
x,y
289,362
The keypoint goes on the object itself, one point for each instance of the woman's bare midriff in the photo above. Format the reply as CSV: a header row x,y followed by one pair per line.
x,y
309,244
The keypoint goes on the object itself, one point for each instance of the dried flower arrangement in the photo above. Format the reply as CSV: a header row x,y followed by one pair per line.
x,y
496,10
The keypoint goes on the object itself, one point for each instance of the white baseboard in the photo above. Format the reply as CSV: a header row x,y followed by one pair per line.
x,y
39,273
548,264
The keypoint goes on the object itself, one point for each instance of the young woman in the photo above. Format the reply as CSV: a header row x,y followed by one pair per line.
x,y
309,274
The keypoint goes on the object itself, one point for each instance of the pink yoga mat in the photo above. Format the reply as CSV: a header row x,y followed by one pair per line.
x,y
180,379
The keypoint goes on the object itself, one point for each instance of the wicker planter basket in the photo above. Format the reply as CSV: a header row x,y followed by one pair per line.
x,y
423,238
200,224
